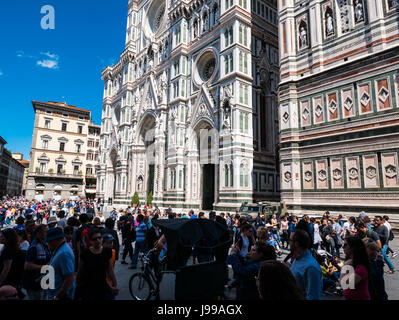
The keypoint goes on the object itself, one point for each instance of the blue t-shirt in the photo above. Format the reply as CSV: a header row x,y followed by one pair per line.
x,y
308,275
140,232
63,262
193,216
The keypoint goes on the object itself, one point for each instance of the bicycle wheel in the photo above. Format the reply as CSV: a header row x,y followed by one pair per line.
x,y
140,287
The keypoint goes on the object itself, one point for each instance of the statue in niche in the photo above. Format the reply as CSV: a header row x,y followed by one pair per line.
x,y
329,23
359,11
158,124
393,3
163,87
303,35
226,114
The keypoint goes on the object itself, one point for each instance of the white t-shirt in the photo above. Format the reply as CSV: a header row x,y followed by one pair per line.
x,y
388,225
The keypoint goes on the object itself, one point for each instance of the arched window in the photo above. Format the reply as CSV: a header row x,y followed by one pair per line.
x,y
241,175
244,175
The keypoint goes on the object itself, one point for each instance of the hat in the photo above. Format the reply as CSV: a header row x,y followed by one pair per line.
x,y
108,237
54,234
52,220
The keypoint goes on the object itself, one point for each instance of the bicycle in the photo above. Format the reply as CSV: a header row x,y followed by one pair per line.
x,y
145,284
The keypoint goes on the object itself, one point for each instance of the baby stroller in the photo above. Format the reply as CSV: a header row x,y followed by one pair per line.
x,y
331,269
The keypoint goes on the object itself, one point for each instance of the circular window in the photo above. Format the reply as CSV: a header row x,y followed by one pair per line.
x,y
155,15
205,67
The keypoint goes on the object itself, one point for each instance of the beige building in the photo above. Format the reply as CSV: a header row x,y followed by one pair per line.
x,y
25,163
93,143
59,151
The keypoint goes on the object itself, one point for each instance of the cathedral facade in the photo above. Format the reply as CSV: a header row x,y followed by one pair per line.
x,y
339,105
190,110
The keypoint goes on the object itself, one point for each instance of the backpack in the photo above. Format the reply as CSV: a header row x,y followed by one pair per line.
x,y
84,237
391,235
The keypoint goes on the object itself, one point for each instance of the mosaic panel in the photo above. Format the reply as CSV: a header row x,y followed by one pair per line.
x,y
364,98
383,94
348,109
332,105
305,113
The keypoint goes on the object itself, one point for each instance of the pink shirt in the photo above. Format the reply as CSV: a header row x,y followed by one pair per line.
x,y
361,291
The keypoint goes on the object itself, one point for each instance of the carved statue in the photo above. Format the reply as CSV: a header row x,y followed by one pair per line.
x,y
303,38
359,15
329,24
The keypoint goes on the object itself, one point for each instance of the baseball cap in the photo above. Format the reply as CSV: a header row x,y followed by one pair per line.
x,y
108,237
54,234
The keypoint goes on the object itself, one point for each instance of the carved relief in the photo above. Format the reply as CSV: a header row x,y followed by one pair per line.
x,y
322,181
305,110
286,116
345,14
352,165
337,180
307,169
287,176
389,163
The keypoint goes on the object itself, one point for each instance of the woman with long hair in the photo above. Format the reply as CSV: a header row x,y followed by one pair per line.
x,y
11,260
357,258
276,282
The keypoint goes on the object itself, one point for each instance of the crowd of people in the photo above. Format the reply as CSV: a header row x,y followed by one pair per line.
x,y
81,248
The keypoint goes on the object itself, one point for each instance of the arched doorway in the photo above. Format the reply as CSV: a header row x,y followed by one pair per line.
x,y
146,149
206,141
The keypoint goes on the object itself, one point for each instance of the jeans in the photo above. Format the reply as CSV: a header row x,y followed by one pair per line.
x,y
139,247
127,249
386,259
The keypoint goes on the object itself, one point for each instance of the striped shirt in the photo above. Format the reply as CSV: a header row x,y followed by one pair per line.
x,y
140,232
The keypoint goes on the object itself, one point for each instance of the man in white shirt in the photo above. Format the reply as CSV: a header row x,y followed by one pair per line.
x,y
385,220
349,228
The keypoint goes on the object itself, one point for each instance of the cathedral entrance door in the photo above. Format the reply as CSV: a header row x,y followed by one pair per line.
x,y
151,170
208,186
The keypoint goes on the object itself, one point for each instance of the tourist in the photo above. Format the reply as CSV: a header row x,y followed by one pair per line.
x,y
128,231
383,234
317,240
276,282
366,234
94,266
284,229
109,228
246,240
336,235
11,260
247,269
37,256
275,228
306,270
141,230
192,215
391,235
376,277
356,257
63,263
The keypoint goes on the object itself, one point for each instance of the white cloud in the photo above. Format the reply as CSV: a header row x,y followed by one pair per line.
x,y
21,54
50,64
50,55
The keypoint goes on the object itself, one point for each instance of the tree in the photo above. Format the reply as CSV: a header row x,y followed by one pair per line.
x,y
149,199
135,199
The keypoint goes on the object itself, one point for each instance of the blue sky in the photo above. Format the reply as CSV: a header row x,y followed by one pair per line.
x,y
63,64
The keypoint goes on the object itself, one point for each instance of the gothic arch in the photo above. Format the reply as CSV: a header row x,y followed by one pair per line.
x,y
146,122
